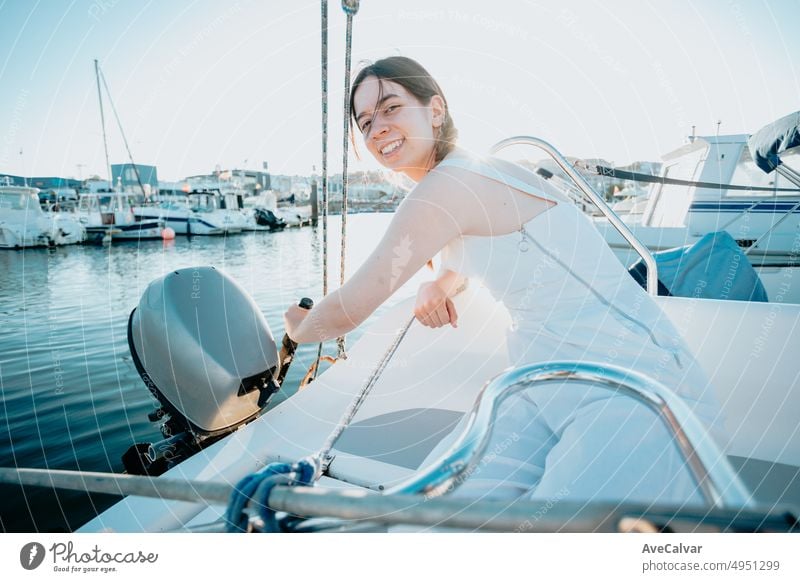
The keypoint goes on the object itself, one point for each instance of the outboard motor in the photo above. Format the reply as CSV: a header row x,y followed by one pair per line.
x,y
204,350
266,217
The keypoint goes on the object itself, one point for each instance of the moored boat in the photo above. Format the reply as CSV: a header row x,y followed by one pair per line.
x,y
180,216
715,184
23,224
110,216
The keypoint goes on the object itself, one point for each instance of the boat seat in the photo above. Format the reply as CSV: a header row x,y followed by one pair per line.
x,y
712,268
749,352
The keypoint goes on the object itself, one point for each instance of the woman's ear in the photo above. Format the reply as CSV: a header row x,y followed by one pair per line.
x,y
438,110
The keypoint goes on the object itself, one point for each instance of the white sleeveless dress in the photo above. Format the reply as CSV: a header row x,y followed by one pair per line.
x,y
570,298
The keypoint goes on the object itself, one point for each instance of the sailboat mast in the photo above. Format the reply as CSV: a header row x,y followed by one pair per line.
x,y
103,123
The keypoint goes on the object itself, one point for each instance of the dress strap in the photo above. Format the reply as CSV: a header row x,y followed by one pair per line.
x,y
487,168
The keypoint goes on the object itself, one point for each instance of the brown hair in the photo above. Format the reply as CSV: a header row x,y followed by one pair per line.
x,y
413,77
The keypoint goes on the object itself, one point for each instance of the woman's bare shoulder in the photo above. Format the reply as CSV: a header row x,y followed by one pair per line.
x,y
483,202
457,191
453,185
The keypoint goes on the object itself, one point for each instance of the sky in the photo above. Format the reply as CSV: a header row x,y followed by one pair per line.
x,y
202,83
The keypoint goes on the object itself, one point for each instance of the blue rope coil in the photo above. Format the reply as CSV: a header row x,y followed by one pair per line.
x,y
258,486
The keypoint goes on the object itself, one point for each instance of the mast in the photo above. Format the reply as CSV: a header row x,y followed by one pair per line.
x,y
103,123
119,124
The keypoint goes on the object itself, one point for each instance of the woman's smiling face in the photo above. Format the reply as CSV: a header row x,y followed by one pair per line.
x,y
398,130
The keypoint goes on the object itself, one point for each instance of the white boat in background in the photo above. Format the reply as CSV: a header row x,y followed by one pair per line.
x,y
178,215
630,204
24,224
273,216
110,216
58,200
225,198
763,217
294,215
107,213
207,205
260,211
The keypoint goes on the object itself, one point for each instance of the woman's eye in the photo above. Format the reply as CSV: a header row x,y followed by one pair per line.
x,y
391,108
365,126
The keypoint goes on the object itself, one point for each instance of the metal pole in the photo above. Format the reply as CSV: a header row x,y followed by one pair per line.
x,y
552,515
119,484
315,501
124,139
580,181
789,173
103,123
714,475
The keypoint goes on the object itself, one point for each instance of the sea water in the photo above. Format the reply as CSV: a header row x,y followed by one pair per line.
x,y
71,396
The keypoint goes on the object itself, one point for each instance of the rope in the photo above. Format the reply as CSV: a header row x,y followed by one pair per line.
x,y
324,455
324,83
350,7
637,177
122,131
312,371
103,122
786,215
257,487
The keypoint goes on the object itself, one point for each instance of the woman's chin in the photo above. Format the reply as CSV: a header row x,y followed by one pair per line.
x,y
400,167
391,164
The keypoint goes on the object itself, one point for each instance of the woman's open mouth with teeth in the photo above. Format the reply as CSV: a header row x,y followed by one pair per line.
x,y
391,147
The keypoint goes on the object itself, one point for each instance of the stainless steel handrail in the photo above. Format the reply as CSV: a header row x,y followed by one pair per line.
x,y
789,173
580,181
794,177
715,476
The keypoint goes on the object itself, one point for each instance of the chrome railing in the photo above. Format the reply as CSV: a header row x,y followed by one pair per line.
x,y
789,173
714,475
794,177
588,191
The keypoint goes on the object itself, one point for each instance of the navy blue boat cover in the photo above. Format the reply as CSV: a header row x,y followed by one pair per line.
x,y
712,268
772,140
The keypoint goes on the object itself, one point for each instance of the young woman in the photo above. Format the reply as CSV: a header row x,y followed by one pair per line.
x,y
569,298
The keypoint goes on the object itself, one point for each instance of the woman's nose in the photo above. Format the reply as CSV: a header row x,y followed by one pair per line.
x,y
379,128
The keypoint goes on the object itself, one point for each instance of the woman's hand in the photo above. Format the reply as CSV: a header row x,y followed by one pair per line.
x,y
292,319
433,307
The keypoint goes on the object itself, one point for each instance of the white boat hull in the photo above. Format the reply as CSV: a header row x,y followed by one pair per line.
x,y
55,233
294,215
183,222
23,223
434,377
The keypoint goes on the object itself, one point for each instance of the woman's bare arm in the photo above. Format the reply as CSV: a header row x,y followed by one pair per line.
x,y
423,224
450,281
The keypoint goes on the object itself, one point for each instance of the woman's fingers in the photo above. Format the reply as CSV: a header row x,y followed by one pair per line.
x,y
436,318
436,313
433,318
292,319
451,312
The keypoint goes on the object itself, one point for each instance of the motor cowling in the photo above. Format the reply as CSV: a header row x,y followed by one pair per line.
x,y
205,351
266,217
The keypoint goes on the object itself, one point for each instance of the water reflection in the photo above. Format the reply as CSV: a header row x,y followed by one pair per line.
x,y
70,393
